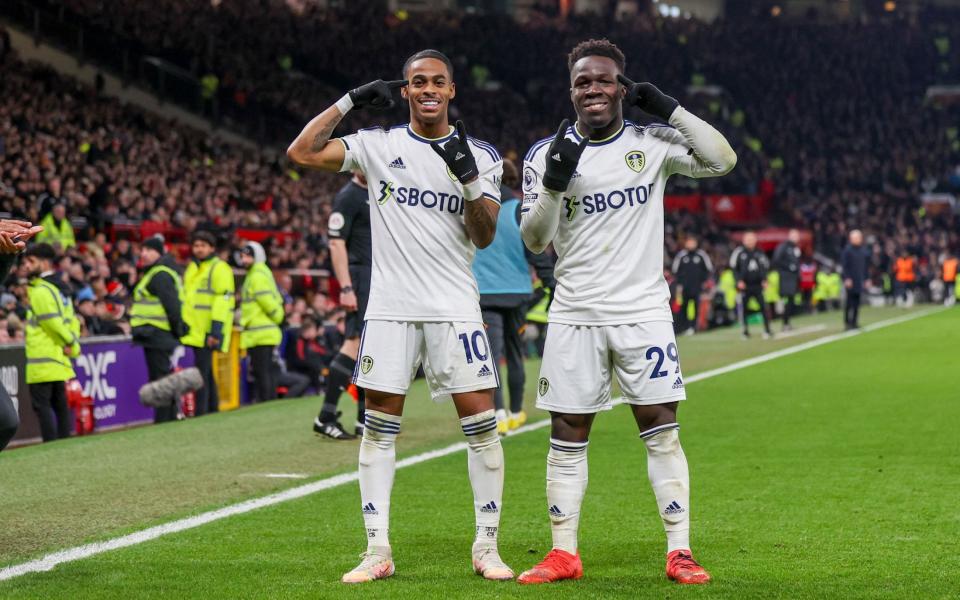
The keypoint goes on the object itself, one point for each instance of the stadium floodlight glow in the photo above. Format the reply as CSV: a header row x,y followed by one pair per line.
x,y
674,11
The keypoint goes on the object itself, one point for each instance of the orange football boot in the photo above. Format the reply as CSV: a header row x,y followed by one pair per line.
x,y
683,569
556,566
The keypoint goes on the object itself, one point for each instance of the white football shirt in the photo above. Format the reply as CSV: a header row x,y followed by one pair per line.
x,y
421,251
609,242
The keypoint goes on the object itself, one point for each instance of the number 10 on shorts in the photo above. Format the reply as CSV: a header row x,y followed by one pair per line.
x,y
474,346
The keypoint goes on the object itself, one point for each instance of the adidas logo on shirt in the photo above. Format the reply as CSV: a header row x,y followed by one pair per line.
x,y
556,512
484,371
397,164
673,509
490,507
370,509
678,384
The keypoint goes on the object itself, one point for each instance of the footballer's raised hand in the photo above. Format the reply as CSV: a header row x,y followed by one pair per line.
x,y
562,159
378,95
456,153
648,98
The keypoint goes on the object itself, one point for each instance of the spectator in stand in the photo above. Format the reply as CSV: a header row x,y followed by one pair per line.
x,y
854,262
305,353
57,230
786,261
693,268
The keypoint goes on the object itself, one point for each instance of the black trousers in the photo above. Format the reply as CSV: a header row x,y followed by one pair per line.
x,y
789,307
504,330
755,292
208,400
851,309
9,420
690,297
49,401
159,365
264,378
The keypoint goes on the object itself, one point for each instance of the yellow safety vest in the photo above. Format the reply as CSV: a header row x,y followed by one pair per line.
x,y
51,327
53,235
538,313
147,309
261,308
209,296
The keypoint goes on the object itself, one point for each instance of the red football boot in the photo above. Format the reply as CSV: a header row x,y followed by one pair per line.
x,y
683,569
556,566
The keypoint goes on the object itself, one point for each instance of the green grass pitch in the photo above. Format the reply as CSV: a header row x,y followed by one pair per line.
x,y
830,473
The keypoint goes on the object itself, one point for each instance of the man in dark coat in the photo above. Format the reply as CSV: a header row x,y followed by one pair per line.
x,y
786,260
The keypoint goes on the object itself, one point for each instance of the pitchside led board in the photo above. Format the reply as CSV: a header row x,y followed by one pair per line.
x,y
111,371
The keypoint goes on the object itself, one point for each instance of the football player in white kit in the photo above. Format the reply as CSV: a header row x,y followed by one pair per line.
x,y
595,191
434,198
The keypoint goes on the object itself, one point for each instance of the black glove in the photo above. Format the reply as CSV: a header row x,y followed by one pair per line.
x,y
456,153
648,98
378,94
562,159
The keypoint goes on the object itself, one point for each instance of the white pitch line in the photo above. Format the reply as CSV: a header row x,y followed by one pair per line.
x,y
801,331
50,561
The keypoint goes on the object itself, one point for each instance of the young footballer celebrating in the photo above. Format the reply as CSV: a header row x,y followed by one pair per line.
x,y
595,191
434,198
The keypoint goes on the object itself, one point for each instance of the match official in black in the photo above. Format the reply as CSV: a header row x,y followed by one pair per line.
x,y
351,253
750,266
786,261
853,261
692,268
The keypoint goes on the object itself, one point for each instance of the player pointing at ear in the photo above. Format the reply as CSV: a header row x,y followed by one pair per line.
x,y
595,190
434,198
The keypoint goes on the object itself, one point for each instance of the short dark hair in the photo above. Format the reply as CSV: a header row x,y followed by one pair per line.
x,y
42,251
428,53
601,47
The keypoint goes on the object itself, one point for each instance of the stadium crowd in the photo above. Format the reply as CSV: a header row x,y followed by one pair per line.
x,y
834,124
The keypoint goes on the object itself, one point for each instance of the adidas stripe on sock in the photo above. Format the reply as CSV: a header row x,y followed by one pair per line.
x,y
485,466
566,485
378,464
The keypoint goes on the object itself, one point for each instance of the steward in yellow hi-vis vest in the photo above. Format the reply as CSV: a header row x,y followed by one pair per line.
x,y
57,230
261,312
156,315
52,340
208,310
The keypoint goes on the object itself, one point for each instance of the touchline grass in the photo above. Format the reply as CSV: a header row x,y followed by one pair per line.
x,y
829,473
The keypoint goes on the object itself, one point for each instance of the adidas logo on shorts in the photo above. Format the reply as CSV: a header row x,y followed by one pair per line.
x,y
484,371
678,384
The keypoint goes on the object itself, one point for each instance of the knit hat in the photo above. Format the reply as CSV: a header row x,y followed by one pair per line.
x,y
255,250
204,236
154,243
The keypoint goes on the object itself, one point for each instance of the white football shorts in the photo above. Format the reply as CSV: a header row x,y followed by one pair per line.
x,y
575,376
456,357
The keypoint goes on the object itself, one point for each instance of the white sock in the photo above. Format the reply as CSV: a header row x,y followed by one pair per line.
x,y
485,465
667,469
501,415
566,484
378,463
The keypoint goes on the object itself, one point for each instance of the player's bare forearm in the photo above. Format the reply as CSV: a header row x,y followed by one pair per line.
x,y
480,218
712,153
341,262
313,147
